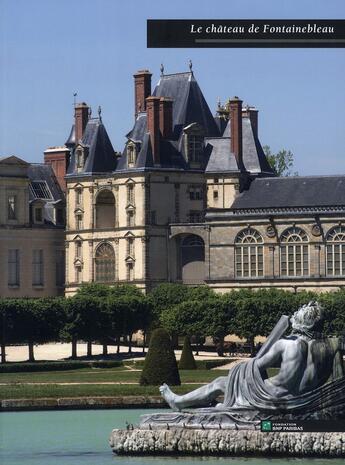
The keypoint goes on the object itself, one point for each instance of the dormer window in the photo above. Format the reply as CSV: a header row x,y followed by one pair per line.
x,y
195,148
131,154
80,158
81,155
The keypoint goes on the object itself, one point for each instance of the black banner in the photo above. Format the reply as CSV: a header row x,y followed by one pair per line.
x,y
248,33
306,426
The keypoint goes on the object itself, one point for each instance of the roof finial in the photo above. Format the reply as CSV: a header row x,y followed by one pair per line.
x,y
99,113
219,103
74,98
162,69
190,66
90,112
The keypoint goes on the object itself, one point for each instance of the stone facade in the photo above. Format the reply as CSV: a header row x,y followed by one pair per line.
x,y
193,199
31,230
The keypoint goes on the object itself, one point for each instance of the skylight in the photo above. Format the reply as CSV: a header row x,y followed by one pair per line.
x,y
40,190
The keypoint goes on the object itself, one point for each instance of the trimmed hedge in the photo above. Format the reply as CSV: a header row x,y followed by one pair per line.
x,y
57,366
187,361
209,364
160,362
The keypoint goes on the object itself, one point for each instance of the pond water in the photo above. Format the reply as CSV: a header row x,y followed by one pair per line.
x,y
80,437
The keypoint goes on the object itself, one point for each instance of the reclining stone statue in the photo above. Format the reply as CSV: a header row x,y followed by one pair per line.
x,y
310,382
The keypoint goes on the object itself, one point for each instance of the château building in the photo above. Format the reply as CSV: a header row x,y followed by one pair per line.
x,y
193,199
32,230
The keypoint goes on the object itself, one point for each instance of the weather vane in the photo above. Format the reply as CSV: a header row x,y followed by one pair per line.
x,y
190,66
162,69
74,98
99,113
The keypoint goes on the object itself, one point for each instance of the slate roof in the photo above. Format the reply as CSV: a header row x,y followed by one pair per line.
x,y
221,159
101,155
292,192
189,107
42,172
254,159
189,104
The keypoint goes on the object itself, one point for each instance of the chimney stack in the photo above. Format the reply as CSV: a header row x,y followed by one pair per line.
x,y
152,110
253,116
236,128
81,116
166,117
58,159
142,90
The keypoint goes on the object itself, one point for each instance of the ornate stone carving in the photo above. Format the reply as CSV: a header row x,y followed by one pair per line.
x,y
316,230
270,231
310,383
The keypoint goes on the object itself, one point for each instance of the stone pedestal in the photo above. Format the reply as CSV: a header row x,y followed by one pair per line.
x,y
179,441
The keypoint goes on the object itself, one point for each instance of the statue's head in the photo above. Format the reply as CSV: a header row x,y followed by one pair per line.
x,y
307,318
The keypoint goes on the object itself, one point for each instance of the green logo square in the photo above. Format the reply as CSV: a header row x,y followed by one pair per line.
x,y
266,426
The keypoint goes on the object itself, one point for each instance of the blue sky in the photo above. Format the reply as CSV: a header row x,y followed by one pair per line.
x,y
52,48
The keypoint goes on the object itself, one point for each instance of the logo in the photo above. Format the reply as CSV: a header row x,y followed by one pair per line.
x,y
266,426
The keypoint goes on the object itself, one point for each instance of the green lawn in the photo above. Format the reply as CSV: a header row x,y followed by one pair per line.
x,y
25,391
96,375
16,383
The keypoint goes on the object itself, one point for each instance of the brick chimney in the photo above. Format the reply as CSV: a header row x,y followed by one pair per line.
x,y
152,110
142,90
58,158
81,116
253,116
236,128
166,117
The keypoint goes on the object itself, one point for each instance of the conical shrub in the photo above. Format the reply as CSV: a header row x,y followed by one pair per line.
x,y
187,361
160,363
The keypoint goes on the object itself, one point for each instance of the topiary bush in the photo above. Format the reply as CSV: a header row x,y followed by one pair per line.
x,y
160,363
187,361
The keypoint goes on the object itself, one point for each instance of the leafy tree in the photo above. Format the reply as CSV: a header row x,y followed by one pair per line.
x,y
281,162
160,362
187,361
84,320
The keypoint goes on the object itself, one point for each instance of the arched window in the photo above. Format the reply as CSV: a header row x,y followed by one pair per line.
x,y
336,251
105,209
192,259
249,254
105,263
294,253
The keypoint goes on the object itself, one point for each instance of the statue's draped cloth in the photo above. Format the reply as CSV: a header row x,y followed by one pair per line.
x,y
247,390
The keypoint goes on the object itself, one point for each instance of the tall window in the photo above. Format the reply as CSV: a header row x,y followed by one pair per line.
x,y
294,253
78,196
12,207
130,194
105,263
130,218
13,267
130,271
105,209
195,148
131,154
249,254
60,268
79,221
37,267
336,251
130,246
78,249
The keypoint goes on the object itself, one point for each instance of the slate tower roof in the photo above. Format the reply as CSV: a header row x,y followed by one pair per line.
x,y
99,154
